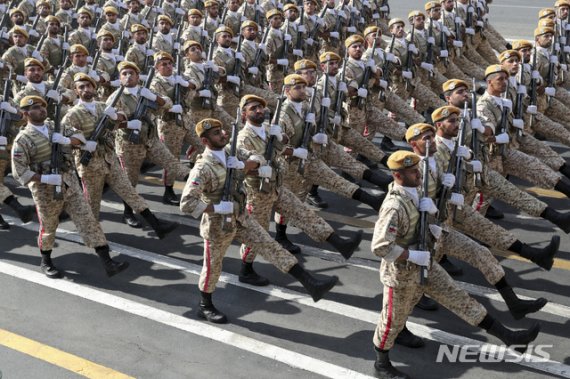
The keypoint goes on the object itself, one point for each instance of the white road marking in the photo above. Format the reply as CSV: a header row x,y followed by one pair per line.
x,y
534,362
199,328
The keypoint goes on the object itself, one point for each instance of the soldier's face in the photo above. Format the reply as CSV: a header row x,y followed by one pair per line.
x,y
310,75
129,77
276,22
512,65
419,144
255,113
19,40
419,22
43,11
36,114
292,14
563,12
107,43
458,97
164,26
215,139
370,39
213,11
435,13
164,67
544,40
497,82
194,20
233,5
249,33
140,37
329,3
53,28
65,4
449,126
224,39
84,20
309,7
194,53
17,19
355,50
79,59
398,30
448,5
526,54
111,17
297,92
85,90
134,6
332,67
34,74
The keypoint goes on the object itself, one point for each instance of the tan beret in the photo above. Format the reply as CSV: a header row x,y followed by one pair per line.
x,y
19,30
355,38
521,44
562,3
294,79
211,3
394,21
453,84
29,62
543,30
430,5
249,23
195,12
494,69
251,98
188,44
546,22
371,29
85,11
402,159
138,28
28,101
105,33
329,56
415,13
78,49
224,29
51,18
126,64
545,12
507,54
417,129
82,77
16,10
43,3
110,9
164,17
273,13
444,112
304,64
162,55
290,6
207,124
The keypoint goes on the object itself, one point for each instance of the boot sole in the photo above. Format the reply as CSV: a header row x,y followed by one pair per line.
x,y
548,262
325,289
534,330
121,268
164,233
356,243
258,282
201,315
537,306
136,225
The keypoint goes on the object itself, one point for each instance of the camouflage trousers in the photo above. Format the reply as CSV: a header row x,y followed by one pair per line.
x,y
174,137
531,146
74,204
474,224
459,246
471,53
4,191
260,206
563,96
551,129
486,51
558,112
425,98
496,40
132,156
316,172
402,109
378,121
529,168
398,303
469,68
248,232
455,72
100,171
358,144
334,156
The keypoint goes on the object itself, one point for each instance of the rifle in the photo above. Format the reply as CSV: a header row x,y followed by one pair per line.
x,y
55,152
443,45
95,61
224,15
475,134
521,92
339,98
65,40
457,22
204,29
559,49
143,104
259,52
315,29
504,120
55,85
469,20
409,57
98,131
228,184
93,42
208,78
40,42
178,87
553,61
533,86
237,66
429,51
459,160
386,70
299,42
367,72
74,23
385,14
307,131
6,117
257,13
325,104
285,48
424,227
148,59
264,185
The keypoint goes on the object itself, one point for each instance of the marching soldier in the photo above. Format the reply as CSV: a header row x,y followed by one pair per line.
x,y
112,25
395,240
194,31
54,45
164,39
79,54
202,197
277,57
65,12
211,19
31,167
139,52
14,57
103,167
83,35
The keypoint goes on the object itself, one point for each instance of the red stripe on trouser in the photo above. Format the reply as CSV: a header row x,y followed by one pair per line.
x,y
208,265
121,162
480,202
389,321
247,250
365,132
40,244
85,191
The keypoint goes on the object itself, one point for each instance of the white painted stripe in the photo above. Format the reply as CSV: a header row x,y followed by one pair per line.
x,y
199,328
514,6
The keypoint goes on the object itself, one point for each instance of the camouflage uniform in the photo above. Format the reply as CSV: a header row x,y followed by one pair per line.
x,y
274,48
205,186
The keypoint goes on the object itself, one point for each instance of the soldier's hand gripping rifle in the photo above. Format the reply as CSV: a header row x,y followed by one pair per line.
x,y
149,58
286,43
339,98
408,72
257,15
56,157
475,134
143,106
309,123
325,104
384,10
470,21
177,86
386,68
205,35
459,177
6,118
424,227
458,43
370,64
312,37
207,102
260,53
428,63
519,106
228,183
237,66
532,108
264,184
503,125
443,52
100,128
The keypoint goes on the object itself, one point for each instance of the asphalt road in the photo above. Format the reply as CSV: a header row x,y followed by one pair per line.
x,y
142,323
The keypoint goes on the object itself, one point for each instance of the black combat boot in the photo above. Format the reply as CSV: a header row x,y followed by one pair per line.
x,y
494,214
48,267
3,224
380,179
448,266
111,267
562,220
283,240
520,338
345,246
563,186
384,368
169,197
24,212
543,257
518,307
409,339
564,170
208,312
370,164
315,287
315,199
387,144
129,217
427,304
248,275
375,202
160,227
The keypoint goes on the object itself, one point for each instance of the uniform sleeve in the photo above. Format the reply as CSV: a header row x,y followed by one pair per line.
x,y
486,116
21,162
190,201
386,230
